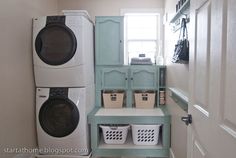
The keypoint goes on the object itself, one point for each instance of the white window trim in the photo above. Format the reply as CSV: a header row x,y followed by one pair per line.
x,y
160,32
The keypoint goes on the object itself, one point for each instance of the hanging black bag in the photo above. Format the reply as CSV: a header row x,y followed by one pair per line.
x,y
181,52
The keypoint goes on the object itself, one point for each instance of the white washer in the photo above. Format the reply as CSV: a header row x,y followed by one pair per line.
x,y
61,115
63,51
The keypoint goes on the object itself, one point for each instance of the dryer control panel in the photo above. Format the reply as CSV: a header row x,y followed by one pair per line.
x,y
58,92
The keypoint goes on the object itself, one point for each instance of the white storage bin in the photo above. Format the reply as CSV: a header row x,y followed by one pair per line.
x,y
114,134
144,99
145,134
113,99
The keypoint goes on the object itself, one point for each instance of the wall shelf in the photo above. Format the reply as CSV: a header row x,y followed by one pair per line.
x,y
180,98
184,8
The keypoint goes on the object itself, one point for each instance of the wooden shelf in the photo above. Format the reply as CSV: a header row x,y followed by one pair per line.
x,y
185,6
180,97
181,94
128,144
129,112
129,116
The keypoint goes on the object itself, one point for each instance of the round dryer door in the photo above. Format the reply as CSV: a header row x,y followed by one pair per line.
x,y
59,117
55,44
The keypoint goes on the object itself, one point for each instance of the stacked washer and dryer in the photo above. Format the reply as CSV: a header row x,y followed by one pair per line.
x,y
63,57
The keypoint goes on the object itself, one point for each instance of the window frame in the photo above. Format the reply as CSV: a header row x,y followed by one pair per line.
x,y
160,34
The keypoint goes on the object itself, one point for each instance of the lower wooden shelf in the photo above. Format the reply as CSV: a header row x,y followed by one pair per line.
x,y
129,116
128,144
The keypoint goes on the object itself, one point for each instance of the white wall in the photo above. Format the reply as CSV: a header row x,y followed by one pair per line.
x,y
177,76
107,7
17,103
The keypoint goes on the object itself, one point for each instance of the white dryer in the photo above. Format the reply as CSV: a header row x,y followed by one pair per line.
x,y
61,115
63,51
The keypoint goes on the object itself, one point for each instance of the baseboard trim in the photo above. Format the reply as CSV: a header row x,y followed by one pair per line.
x,y
172,155
61,156
24,156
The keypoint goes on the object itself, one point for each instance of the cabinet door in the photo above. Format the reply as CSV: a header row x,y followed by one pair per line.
x,y
143,78
109,40
115,78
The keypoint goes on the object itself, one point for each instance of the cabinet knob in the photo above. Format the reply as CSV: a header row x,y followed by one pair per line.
x,y
132,78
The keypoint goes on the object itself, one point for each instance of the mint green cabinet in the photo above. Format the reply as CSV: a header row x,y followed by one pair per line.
x,y
143,78
109,38
126,78
129,79
115,78
112,74
133,77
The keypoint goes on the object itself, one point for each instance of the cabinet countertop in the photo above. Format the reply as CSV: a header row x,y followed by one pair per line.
x,y
129,112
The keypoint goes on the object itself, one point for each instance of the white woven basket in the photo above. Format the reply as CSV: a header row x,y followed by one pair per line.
x,y
145,134
144,99
114,134
113,100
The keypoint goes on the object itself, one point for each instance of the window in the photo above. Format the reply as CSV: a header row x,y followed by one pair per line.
x,y
142,36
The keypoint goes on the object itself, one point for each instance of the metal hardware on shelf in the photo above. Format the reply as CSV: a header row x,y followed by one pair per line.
x,y
182,11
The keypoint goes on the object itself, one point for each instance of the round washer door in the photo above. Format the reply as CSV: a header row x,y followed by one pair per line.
x,y
59,117
55,44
